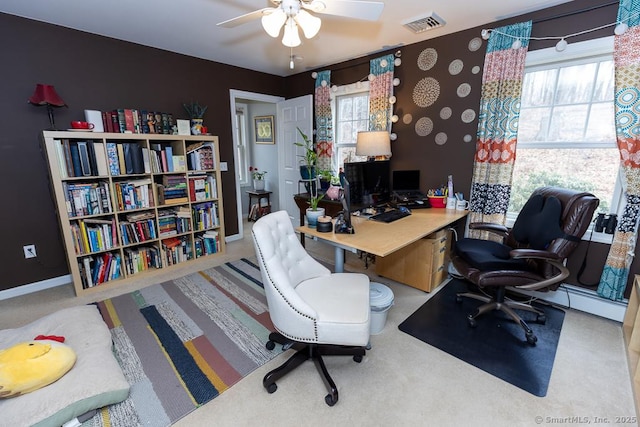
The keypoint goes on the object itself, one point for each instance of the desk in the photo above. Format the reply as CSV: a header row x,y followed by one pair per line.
x,y
382,239
259,210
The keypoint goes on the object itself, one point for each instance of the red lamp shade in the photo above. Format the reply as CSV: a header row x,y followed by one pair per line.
x,y
46,95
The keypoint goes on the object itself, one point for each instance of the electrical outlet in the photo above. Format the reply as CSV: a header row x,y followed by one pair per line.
x,y
29,251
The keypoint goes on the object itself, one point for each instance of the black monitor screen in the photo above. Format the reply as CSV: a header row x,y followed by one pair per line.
x,y
369,181
408,180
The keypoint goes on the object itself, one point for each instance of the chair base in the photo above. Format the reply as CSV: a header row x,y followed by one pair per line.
x,y
499,303
305,351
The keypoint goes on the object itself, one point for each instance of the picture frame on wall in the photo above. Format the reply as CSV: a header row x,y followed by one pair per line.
x,y
264,128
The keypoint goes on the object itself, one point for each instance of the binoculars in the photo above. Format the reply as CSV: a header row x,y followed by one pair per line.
x,y
606,223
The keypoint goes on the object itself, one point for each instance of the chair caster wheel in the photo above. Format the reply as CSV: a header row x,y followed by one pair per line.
x,y
270,345
531,339
541,319
357,358
329,400
458,299
472,321
271,388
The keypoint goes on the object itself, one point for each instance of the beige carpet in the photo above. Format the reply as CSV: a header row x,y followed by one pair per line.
x,y
402,381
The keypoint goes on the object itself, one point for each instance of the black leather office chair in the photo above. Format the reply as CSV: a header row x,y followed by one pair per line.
x,y
532,255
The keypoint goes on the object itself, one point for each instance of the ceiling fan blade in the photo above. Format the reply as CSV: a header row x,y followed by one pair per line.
x,y
365,10
243,19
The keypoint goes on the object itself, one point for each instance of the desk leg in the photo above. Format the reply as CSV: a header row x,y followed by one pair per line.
x,y
339,260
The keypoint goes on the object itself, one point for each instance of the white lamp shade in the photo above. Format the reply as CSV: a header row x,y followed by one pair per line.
x,y
310,24
273,21
373,143
291,37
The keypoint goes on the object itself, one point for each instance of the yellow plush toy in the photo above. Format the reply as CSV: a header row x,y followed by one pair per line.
x,y
30,365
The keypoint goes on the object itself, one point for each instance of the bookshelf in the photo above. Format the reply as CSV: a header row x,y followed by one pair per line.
x,y
134,204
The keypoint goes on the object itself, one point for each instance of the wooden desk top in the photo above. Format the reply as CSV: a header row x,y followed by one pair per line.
x,y
381,239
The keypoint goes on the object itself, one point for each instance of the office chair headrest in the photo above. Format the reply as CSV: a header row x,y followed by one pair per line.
x,y
538,223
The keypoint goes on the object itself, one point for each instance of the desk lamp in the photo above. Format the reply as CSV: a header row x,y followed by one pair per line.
x,y
47,95
376,145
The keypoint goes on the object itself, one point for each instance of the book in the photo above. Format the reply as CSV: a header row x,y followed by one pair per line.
x,y
62,163
128,120
112,156
75,158
121,163
169,154
83,155
101,159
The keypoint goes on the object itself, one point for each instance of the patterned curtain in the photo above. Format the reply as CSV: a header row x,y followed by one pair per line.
x,y
324,124
498,125
380,90
627,109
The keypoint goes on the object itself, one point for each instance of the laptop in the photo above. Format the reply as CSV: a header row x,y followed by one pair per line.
x,y
406,185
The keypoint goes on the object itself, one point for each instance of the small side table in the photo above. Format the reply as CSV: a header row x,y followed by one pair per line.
x,y
257,210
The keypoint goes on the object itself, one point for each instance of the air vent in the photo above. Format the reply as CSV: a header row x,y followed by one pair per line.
x,y
424,23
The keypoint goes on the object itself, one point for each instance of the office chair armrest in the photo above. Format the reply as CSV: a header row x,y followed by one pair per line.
x,y
499,229
548,257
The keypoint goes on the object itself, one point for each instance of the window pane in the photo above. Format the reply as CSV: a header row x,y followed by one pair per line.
x,y
346,109
605,83
568,123
594,170
575,84
538,88
601,126
533,124
361,105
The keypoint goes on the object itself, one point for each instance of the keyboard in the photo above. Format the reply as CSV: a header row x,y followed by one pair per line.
x,y
390,216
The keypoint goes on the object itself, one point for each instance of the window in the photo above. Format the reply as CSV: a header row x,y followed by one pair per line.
x,y
242,151
566,131
350,105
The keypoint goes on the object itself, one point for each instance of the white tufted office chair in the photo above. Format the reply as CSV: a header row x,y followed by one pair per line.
x,y
315,312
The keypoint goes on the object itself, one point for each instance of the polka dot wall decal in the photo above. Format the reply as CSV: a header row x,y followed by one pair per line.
x,y
456,67
467,138
426,92
468,115
407,118
475,69
427,59
475,44
445,113
463,90
424,126
441,138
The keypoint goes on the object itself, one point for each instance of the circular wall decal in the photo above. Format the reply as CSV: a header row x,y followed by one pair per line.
x,y
424,126
468,115
475,69
467,138
426,92
463,90
456,67
475,44
445,113
427,59
441,138
407,118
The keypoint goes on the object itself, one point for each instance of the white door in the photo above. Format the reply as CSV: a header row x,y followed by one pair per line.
x,y
292,114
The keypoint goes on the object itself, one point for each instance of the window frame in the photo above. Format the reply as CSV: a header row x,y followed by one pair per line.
x,y
576,53
336,93
241,127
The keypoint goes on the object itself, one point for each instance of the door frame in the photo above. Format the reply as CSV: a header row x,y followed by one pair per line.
x,y
235,94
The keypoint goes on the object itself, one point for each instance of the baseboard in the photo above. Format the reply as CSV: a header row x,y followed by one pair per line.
x,y
35,287
586,300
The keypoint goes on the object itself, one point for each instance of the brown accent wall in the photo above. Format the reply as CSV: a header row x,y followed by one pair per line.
x,y
101,73
91,72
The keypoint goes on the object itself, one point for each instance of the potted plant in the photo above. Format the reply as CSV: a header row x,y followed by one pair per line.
x,y
309,159
326,176
258,178
313,211
196,114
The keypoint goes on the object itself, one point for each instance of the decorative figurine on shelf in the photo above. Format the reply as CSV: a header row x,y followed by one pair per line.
x,y
196,114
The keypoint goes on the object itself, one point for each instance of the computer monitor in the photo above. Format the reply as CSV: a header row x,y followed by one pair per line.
x,y
406,180
369,181
345,226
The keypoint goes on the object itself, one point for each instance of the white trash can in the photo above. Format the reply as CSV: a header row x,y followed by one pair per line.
x,y
381,300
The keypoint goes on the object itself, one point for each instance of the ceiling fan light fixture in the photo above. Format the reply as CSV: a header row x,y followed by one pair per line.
x,y
310,24
291,37
272,22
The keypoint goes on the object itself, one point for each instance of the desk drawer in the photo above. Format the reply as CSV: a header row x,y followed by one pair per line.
x,y
421,264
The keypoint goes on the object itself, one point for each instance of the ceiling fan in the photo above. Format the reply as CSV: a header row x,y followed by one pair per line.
x,y
292,14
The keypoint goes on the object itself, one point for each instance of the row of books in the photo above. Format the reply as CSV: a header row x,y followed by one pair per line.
x,y
91,198
130,120
80,158
172,190
207,244
258,211
134,194
93,235
98,269
202,187
176,250
141,259
205,215
200,156
174,221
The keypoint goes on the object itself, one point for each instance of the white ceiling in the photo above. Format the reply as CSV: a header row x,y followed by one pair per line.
x,y
189,27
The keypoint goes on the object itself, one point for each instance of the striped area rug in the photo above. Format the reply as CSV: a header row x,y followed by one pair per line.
x,y
183,342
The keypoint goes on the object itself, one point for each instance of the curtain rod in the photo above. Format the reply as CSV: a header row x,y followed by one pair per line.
x,y
575,12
